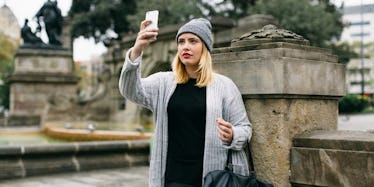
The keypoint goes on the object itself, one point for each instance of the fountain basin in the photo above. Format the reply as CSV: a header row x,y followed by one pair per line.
x,y
86,135
54,149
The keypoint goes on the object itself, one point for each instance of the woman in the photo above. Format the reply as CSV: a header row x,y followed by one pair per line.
x,y
198,114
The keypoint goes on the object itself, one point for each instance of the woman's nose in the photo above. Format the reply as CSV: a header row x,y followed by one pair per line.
x,y
186,45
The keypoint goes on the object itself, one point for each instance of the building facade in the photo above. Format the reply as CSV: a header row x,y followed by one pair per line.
x,y
359,21
359,31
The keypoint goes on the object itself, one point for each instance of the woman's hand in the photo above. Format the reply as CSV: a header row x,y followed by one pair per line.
x,y
225,130
144,38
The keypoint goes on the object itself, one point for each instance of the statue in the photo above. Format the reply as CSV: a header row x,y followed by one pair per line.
x,y
52,19
29,37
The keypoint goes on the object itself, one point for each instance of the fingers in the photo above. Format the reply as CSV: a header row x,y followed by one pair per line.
x,y
145,36
225,130
144,24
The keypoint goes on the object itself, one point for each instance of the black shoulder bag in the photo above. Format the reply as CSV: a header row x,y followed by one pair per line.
x,y
227,178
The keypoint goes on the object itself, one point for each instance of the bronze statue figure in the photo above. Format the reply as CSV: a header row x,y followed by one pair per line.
x,y
52,18
29,37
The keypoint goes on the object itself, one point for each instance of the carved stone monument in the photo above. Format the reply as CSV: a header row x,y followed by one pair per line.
x,y
288,88
44,80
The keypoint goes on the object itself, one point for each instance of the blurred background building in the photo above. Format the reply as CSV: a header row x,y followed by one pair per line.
x,y
359,32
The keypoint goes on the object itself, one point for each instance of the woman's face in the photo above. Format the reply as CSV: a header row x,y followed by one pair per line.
x,y
190,48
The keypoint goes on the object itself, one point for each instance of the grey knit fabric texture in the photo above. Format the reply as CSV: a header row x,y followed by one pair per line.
x,y
200,27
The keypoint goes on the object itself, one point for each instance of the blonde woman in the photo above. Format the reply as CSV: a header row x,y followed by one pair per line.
x,y
198,114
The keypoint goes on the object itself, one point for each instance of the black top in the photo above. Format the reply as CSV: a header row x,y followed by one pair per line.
x,y
186,132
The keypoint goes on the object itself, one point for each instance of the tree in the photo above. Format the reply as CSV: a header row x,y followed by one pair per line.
x,y
369,49
319,22
344,51
7,69
170,11
7,49
101,19
233,9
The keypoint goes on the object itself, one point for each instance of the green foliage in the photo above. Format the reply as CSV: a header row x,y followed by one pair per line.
x,y
368,48
233,9
318,22
7,69
7,49
170,11
344,51
96,18
353,103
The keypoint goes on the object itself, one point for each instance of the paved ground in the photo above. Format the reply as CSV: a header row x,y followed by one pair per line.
x,y
362,122
125,177
138,176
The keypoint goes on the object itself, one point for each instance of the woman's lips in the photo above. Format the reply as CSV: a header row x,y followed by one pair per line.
x,y
186,55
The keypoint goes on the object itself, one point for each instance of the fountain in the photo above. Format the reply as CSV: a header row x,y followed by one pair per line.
x,y
49,129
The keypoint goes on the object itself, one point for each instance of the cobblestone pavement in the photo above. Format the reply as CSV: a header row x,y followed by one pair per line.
x,y
124,177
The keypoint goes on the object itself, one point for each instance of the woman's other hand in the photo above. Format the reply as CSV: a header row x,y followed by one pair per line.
x,y
225,130
144,38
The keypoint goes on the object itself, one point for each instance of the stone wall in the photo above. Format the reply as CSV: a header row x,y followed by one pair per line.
x,y
333,158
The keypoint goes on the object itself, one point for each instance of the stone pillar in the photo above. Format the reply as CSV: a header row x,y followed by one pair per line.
x,y
43,81
288,88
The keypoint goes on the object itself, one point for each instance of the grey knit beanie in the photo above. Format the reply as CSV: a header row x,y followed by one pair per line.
x,y
200,27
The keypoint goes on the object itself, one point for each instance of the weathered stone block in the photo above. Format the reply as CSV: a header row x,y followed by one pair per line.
x,y
101,161
11,168
23,120
10,150
333,158
39,164
23,161
43,61
51,149
282,69
275,121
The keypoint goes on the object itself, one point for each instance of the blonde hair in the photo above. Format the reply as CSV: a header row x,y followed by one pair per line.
x,y
205,70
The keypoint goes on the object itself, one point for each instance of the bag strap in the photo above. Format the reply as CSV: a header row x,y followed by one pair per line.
x,y
250,159
229,165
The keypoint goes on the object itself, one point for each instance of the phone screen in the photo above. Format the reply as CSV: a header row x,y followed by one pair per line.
x,y
153,16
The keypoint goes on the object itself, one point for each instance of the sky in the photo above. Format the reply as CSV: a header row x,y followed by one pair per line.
x,y
84,49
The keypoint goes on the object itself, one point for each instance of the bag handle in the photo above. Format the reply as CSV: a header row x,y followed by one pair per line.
x,y
229,165
250,159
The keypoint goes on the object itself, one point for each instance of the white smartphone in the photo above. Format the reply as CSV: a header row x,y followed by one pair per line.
x,y
153,16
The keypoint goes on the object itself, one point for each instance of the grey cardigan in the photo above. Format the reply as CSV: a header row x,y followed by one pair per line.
x,y
223,100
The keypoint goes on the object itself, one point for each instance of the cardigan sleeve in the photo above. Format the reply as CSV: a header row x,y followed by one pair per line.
x,y
136,89
236,114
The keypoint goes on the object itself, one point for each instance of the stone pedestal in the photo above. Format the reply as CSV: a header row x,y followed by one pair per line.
x,y
43,79
288,88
